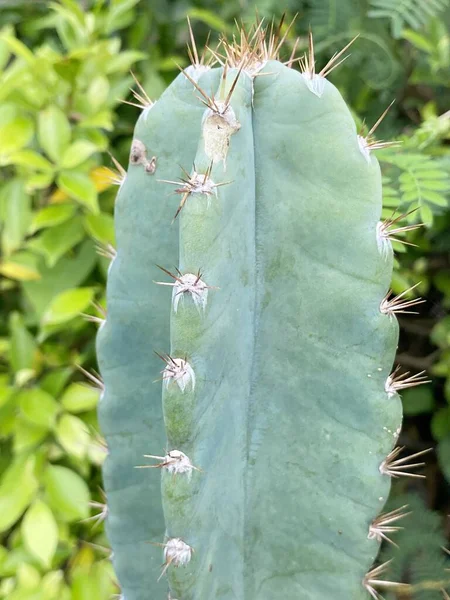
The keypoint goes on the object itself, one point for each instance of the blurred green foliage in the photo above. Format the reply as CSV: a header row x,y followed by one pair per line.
x,y
64,69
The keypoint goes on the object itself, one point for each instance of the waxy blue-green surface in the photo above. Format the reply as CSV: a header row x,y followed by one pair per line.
x,y
289,420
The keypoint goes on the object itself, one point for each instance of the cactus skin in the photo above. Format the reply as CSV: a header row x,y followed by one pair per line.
x,y
288,419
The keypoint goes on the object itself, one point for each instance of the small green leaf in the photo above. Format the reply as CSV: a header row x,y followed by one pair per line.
x,y
23,346
100,227
67,305
14,135
97,93
426,215
31,159
79,398
38,407
55,381
80,187
55,242
440,423
417,400
443,452
73,435
15,212
27,436
77,153
52,215
54,132
69,272
67,493
40,532
17,489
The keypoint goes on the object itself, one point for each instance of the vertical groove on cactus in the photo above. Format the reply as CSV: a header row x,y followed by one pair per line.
x,y
274,438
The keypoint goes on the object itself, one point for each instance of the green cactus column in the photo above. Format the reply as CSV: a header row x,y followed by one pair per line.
x,y
274,432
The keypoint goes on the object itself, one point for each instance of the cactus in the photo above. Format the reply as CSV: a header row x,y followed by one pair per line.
x,y
258,296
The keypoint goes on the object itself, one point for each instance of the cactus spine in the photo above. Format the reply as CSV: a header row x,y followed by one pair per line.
x,y
279,415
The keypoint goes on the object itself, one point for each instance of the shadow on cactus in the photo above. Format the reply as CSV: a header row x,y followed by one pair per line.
x,y
271,452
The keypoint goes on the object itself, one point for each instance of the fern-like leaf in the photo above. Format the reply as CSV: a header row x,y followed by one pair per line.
x,y
406,13
421,182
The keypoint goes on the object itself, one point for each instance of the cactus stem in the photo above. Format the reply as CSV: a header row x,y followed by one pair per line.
x,y
197,183
396,381
175,461
396,467
371,581
188,284
316,81
385,232
93,377
398,304
177,370
176,552
382,525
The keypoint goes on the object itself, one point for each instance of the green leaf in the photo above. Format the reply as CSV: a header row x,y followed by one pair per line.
x,y
55,242
68,273
97,93
443,452
81,187
40,532
426,215
77,153
38,407
55,381
209,18
23,346
417,400
15,212
68,305
100,227
54,132
79,398
440,423
14,135
52,215
27,436
67,493
73,435
17,489
31,159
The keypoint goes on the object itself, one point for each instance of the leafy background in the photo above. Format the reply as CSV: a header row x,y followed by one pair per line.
x,y
64,70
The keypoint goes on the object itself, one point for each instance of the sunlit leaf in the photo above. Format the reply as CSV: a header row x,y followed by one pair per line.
x,y
54,132
80,187
68,305
40,532
67,493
